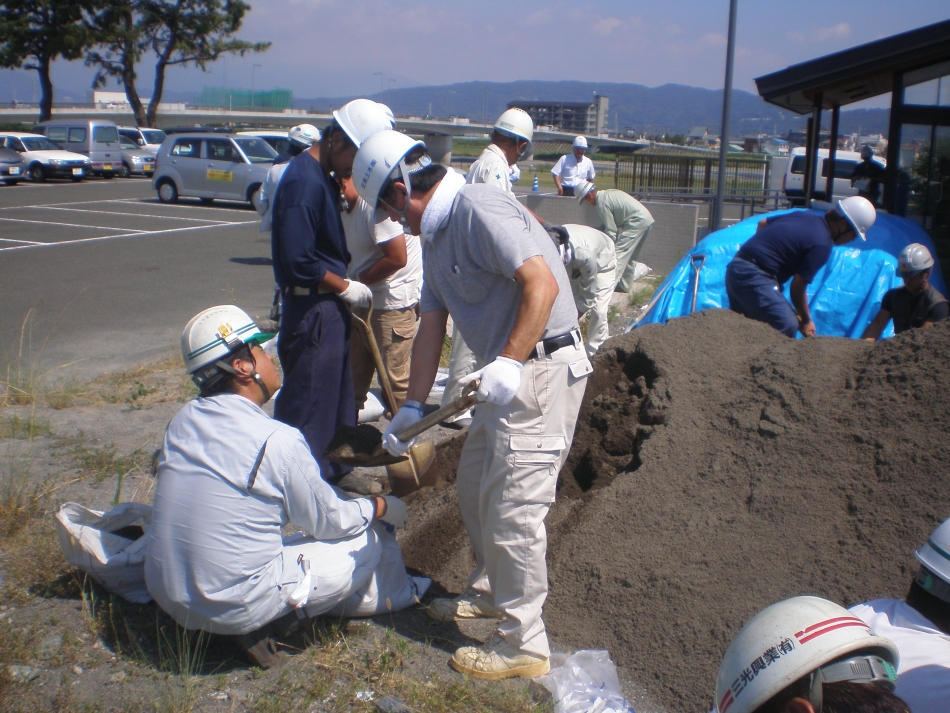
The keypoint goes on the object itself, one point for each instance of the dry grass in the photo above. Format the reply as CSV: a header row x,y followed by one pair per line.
x,y
644,289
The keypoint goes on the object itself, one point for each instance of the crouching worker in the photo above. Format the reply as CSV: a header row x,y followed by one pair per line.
x,y
229,478
808,655
916,304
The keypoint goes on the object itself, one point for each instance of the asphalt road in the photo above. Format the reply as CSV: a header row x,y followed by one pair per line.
x,y
99,276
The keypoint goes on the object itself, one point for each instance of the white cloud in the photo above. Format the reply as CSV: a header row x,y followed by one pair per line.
x,y
606,25
821,34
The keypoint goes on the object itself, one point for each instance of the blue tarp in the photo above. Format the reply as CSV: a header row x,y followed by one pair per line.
x,y
844,296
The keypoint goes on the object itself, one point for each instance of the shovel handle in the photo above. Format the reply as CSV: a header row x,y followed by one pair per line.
x,y
461,403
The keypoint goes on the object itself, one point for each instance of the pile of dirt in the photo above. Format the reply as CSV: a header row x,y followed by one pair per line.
x,y
719,467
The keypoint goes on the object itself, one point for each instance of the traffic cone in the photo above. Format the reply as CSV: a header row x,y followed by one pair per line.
x,y
535,187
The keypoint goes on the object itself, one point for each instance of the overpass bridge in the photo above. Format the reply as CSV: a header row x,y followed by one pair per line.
x,y
437,133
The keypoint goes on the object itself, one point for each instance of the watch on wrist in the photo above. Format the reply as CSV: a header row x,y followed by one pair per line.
x,y
417,405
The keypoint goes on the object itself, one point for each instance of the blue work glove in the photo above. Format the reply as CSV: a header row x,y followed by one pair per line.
x,y
395,516
498,382
406,417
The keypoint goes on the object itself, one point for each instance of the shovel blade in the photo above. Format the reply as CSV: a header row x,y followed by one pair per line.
x,y
359,446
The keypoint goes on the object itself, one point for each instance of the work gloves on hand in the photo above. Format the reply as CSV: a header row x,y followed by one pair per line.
x,y
357,294
395,516
498,382
404,418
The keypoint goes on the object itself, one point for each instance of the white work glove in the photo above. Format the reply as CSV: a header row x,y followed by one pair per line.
x,y
499,381
404,418
357,294
396,515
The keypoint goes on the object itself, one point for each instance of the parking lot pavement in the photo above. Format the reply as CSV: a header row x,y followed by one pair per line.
x,y
99,275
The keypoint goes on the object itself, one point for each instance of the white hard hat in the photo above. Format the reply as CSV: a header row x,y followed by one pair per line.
x,y
914,258
389,113
517,123
361,118
582,189
935,554
789,640
380,156
580,142
210,336
304,134
859,212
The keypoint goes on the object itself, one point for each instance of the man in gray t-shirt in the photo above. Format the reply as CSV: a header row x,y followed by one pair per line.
x,y
496,271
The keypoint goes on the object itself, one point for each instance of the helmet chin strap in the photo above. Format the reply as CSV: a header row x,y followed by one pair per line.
x,y
224,366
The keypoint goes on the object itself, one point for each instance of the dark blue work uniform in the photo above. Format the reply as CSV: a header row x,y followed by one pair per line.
x,y
792,244
314,344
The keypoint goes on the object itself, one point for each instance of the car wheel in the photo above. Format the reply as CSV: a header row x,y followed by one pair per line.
x,y
206,201
37,173
254,197
167,192
125,171
11,183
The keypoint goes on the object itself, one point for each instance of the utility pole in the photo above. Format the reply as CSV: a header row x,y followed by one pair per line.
x,y
716,217
389,92
380,75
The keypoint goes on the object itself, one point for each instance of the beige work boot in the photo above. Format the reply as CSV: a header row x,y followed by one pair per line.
x,y
498,659
467,605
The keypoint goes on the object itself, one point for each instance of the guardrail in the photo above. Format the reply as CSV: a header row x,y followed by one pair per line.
x,y
755,202
691,175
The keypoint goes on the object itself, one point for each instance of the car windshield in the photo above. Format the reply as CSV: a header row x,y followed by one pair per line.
x,y
38,143
153,136
257,150
127,143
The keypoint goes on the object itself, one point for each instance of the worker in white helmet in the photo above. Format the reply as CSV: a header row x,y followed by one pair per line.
x,y
792,246
496,271
229,478
626,220
920,626
510,139
916,304
390,262
808,655
588,255
310,266
572,168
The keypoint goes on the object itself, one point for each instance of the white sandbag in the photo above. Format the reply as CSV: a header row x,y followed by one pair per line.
x,y
372,409
89,543
641,270
585,682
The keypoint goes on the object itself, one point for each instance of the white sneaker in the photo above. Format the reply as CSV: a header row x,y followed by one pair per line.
x,y
498,659
467,605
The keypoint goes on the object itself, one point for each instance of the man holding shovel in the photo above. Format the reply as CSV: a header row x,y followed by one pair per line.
x,y
492,266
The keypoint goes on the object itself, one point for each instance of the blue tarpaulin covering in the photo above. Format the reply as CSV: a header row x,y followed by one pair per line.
x,y
844,296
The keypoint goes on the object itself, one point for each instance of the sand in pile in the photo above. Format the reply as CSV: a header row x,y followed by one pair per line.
x,y
719,467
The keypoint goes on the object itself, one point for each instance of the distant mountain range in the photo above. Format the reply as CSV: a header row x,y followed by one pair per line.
x,y
672,108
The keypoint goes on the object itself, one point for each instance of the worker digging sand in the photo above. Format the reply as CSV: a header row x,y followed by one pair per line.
x,y
718,467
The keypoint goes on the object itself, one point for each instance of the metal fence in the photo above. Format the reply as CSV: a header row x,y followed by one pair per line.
x,y
690,175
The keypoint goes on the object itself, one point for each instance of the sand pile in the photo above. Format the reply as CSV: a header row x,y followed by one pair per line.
x,y
719,467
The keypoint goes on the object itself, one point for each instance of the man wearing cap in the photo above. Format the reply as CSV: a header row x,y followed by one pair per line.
x,y
310,266
808,655
572,168
229,478
916,304
791,246
626,220
490,265
920,626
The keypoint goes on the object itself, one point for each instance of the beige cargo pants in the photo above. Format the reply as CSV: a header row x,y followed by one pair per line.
x,y
506,483
395,330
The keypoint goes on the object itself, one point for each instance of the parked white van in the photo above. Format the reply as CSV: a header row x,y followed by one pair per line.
x,y
96,138
145,138
794,181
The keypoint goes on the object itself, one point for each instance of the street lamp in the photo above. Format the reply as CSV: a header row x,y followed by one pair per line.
x,y
253,67
380,75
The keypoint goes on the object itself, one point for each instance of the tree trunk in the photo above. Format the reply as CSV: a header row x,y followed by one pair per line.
x,y
160,66
129,57
46,88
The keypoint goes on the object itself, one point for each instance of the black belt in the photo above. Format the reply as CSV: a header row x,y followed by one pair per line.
x,y
549,346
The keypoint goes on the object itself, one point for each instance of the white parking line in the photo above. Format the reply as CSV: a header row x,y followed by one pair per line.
x,y
135,215
136,234
25,242
152,201
76,225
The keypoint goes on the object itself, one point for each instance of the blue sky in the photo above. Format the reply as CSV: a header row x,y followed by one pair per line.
x,y
337,47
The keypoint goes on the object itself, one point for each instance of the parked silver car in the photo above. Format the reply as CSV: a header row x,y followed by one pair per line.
x,y
209,166
12,167
135,160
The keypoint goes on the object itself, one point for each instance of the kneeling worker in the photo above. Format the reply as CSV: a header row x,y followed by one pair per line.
x,y
917,303
798,244
229,477
808,655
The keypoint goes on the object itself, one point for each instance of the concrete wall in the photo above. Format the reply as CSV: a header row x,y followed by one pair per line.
x,y
671,237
